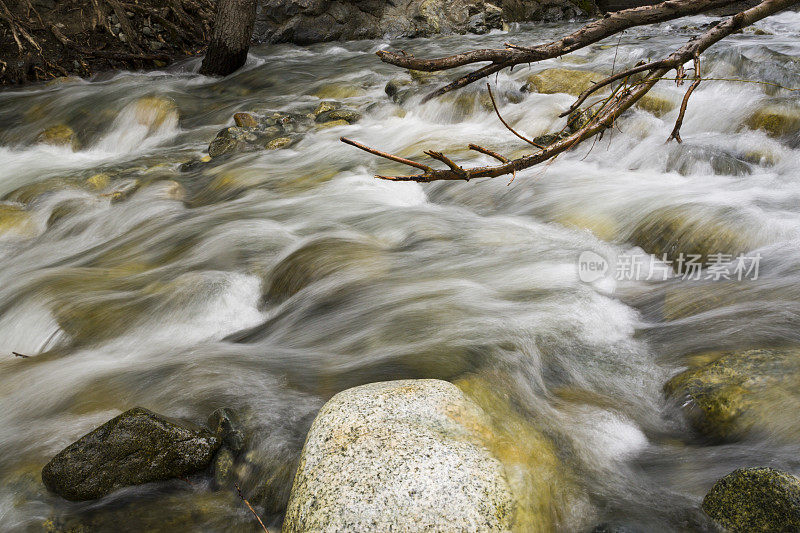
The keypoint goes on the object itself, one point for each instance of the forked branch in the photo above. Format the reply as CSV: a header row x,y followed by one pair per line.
x,y
621,99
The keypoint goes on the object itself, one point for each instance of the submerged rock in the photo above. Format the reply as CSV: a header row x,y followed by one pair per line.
x,y
245,120
544,490
691,230
348,115
155,111
16,221
136,447
741,391
561,80
659,104
59,135
321,258
399,455
750,500
777,120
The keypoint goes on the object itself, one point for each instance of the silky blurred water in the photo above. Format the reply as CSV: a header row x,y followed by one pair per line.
x,y
164,291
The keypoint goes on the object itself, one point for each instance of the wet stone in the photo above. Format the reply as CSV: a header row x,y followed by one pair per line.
x,y
347,115
136,447
755,499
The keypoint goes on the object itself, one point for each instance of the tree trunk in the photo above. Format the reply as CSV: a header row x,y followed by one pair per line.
x,y
233,31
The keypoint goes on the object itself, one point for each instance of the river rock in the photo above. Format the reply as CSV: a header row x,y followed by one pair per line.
x,y
561,80
136,447
320,258
399,455
781,119
742,391
657,103
245,120
16,221
348,115
692,230
155,111
59,135
750,500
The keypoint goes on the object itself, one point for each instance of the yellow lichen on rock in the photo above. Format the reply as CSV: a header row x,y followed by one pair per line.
x,y
59,135
542,485
776,120
562,80
16,221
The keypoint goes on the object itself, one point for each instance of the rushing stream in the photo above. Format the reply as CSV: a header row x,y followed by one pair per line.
x,y
160,298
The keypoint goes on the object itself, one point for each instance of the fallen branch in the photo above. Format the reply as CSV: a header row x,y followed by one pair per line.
x,y
611,109
247,503
514,55
676,131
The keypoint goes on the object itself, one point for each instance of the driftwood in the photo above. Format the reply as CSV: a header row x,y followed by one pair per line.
x,y
635,81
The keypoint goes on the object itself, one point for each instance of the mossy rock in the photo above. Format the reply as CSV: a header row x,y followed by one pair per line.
x,y
279,143
777,120
685,301
332,124
155,111
691,230
320,258
348,115
741,391
31,192
16,221
338,91
59,135
325,106
136,447
245,120
751,500
603,226
562,80
658,104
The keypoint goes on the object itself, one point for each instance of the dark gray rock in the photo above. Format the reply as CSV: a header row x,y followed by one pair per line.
x,y
312,21
134,448
226,427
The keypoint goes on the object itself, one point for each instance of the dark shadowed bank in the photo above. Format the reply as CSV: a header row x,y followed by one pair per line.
x,y
43,39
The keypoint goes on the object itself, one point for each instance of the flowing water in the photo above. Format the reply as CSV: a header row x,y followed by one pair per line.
x,y
166,298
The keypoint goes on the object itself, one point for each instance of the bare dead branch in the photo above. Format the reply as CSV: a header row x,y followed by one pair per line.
x,y
612,108
515,55
488,152
386,155
607,81
676,131
509,128
247,503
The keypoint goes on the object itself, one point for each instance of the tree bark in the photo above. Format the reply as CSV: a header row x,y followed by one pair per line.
x,y
233,31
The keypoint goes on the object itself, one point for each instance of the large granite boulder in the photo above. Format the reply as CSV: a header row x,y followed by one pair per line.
x,y
312,21
751,500
400,456
136,447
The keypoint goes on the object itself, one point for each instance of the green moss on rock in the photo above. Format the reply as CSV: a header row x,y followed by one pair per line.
x,y
751,500
739,391
562,80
